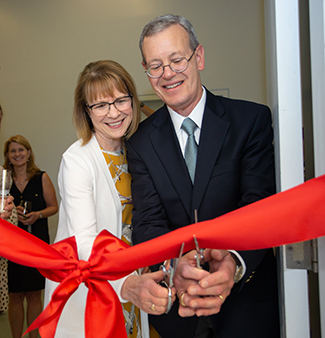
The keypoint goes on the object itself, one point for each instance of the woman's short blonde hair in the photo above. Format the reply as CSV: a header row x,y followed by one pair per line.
x,y
99,79
32,168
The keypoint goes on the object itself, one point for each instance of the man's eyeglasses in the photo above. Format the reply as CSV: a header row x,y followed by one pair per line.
x,y
177,65
102,108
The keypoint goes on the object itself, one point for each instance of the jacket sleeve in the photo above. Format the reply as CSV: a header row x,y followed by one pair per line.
x,y
76,184
78,190
149,217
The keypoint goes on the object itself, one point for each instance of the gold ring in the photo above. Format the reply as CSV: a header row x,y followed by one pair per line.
x,y
221,298
181,300
153,307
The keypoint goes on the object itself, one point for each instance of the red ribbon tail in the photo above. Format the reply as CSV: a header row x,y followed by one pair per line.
x,y
103,303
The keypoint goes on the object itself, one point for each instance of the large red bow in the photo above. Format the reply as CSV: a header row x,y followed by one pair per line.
x,y
294,215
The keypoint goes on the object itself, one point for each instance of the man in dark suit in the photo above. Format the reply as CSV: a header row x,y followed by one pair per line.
x,y
234,166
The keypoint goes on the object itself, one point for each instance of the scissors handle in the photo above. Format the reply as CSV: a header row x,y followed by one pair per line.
x,y
168,281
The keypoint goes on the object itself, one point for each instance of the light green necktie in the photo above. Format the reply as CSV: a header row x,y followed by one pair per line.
x,y
189,127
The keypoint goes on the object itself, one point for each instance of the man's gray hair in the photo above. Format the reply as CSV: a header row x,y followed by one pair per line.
x,y
163,22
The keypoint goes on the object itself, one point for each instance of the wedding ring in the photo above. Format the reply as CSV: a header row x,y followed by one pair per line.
x,y
221,298
181,300
153,307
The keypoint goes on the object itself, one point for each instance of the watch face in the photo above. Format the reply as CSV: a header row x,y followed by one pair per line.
x,y
238,273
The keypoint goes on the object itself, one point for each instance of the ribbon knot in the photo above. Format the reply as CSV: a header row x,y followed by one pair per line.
x,y
84,268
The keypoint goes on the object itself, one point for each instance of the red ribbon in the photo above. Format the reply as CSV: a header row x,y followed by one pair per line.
x,y
292,216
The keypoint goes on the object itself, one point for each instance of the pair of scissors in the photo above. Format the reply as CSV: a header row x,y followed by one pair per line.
x,y
169,272
199,252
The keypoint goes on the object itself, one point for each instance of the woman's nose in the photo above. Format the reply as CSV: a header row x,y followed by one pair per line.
x,y
113,112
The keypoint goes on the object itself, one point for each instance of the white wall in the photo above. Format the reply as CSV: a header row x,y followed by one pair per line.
x,y
45,44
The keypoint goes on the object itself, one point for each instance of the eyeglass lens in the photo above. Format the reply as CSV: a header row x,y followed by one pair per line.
x,y
177,65
102,108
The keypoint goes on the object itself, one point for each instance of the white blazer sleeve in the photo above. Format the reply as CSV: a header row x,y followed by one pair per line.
x,y
76,184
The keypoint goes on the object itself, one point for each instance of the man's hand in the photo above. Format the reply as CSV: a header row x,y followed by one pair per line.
x,y
187,275
201,292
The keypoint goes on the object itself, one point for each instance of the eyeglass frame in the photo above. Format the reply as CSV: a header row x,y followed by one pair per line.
x,y
169,65
110,103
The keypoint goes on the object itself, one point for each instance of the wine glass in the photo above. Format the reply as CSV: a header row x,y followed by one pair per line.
x,y
27,205
5,182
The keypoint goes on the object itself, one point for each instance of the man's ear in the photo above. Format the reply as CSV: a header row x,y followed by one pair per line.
x,y
200,57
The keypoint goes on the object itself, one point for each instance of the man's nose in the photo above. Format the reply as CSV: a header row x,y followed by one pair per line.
x,y
168,72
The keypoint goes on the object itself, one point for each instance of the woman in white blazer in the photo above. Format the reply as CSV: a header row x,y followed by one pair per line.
x,y
95,190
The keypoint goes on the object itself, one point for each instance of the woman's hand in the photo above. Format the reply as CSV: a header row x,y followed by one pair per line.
x,y
29,218
9,205
144,292
21,216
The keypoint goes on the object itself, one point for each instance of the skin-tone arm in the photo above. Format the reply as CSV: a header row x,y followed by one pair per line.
x,y
196,284
143,291
9,205
50,200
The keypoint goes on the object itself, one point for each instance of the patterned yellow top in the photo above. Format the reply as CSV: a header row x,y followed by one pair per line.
x,y
118,168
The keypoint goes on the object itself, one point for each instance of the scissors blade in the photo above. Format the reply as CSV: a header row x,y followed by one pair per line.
x,y
199,255
179,257
174,264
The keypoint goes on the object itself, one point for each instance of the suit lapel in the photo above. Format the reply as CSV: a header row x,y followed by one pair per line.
x,y
166,146
214,130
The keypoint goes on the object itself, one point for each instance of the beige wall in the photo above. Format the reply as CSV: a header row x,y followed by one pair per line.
x,y
44,45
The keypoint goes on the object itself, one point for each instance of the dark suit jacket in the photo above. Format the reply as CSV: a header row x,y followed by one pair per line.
x,y
235,167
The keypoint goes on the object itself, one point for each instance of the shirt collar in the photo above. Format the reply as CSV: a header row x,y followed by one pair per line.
x,y
196,114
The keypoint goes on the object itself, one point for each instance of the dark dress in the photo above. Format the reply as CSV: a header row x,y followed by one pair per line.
x,y
22,278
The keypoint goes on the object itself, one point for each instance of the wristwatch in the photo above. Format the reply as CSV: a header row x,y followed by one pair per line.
x,y
239,268
239,273
40,214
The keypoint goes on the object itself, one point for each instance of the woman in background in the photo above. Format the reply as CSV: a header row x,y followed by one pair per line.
x,y
32,185
95,191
